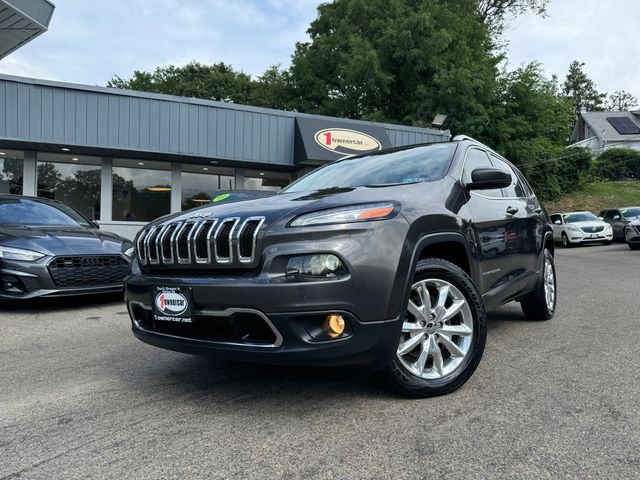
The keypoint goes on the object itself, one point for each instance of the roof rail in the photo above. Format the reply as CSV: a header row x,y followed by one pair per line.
x,y
459,138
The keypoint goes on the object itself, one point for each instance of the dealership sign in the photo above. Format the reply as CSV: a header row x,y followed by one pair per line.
x,y
346,140
319,140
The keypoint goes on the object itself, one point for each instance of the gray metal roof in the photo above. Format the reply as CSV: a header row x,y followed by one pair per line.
x,y
21,21
47,115
597,121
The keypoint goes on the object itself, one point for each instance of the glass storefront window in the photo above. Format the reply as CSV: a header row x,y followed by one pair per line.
x,y
140,194
75,184
198,189
11,168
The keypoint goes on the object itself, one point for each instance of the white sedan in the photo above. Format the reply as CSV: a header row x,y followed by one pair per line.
x,y
573,228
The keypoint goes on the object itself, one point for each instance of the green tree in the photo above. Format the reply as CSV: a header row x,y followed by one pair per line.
x,y
212,82
397,60
581,89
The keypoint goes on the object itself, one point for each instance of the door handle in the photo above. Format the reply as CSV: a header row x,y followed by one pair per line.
x,y
512,210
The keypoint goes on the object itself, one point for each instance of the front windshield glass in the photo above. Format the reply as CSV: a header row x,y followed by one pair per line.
x,y
580,217
33,213
629,213
414,165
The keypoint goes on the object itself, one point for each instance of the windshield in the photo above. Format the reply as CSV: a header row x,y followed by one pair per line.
x,y
419,164
629,213
579,217
23,211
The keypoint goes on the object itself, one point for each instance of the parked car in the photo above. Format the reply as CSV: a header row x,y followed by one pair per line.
x,y
632,234
388,259
49,249
619,218
573,228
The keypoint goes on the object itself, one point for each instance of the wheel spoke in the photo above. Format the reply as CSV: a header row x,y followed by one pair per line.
x,y
417,312
453,310
450,330
443,294
419,364
426,299
410,344
434,350
450,345
410,327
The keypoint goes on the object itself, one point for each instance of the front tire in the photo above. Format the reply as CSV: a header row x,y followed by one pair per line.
x,y
443,333
541,303
565,241
634,246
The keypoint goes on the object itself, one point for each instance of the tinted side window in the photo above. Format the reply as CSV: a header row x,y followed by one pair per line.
x,y
516,189
477,158
555,218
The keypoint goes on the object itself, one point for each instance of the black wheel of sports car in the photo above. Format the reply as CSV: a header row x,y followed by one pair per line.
x,y
541,303
443,333
565,241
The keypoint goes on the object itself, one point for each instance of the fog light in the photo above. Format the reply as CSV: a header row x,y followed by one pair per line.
x,y
336,325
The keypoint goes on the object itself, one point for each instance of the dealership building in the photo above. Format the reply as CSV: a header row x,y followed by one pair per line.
x,y
124,158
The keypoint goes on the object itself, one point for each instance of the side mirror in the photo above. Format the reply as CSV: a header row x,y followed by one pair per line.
x,y
488,178
600,218
616,217
557,222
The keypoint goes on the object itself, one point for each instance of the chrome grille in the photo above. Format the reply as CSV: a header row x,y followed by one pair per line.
x,y
225,241
592,229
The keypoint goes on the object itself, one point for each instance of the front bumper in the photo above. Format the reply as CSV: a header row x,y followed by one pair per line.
x,y
20,280
367,296
581,237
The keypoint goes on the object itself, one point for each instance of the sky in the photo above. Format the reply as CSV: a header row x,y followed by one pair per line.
x,y
90,41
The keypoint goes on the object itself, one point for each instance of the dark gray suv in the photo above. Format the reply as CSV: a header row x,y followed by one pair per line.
x,y
389,260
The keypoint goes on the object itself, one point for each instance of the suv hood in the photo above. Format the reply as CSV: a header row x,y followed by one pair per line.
x,y
287,205
62,240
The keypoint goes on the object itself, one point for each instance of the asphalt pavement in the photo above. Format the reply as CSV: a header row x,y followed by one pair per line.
x,y
81,398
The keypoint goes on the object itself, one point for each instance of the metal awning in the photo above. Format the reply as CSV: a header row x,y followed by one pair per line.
x,y
21,21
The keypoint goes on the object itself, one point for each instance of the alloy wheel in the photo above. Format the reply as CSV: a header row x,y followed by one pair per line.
x,y
549,285
437,331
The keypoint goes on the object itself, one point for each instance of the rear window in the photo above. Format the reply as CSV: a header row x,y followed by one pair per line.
x,y
22,211
415,165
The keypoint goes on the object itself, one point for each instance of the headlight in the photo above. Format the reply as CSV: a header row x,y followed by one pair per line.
x,y
352,213
129,252
574,229
323,265
608,227
10,253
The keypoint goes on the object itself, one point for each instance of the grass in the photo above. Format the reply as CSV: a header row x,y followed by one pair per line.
x,y
598,196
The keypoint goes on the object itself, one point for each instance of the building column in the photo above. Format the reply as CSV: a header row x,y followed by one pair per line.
x,y
176,187
106,190
30,174
239,178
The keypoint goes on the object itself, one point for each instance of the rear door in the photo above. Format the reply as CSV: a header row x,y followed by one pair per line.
x,y
497,222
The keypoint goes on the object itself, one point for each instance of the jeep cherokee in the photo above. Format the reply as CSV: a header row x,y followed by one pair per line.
x,y
388,260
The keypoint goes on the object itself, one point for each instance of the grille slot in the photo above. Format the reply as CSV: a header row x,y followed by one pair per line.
x,y
223,240
88,271
247,237
207,242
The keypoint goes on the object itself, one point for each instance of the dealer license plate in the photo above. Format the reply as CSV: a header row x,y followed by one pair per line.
x,y
172,304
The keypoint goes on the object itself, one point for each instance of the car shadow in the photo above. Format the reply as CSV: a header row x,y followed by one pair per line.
x,y
38,305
